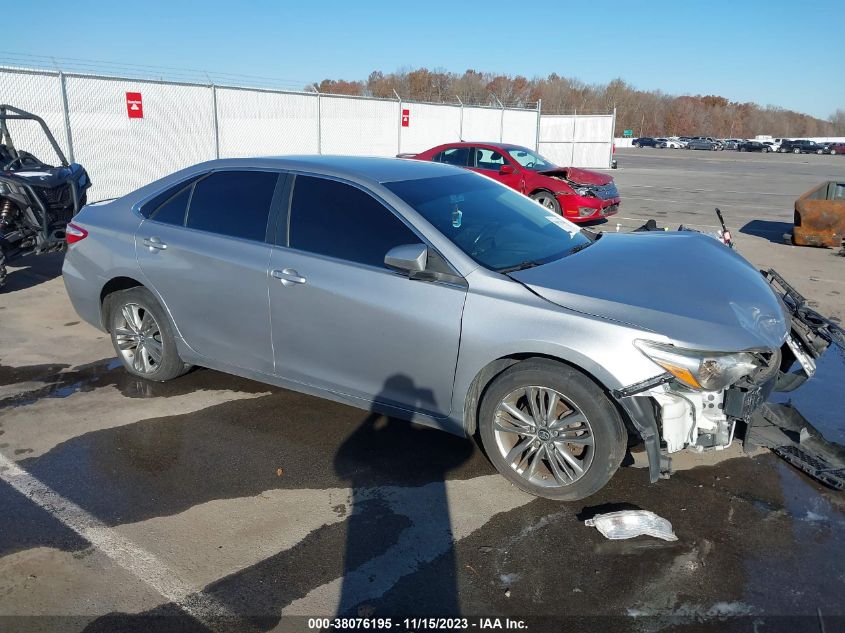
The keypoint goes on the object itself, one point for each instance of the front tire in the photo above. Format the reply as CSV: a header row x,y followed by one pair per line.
x,y
796,151
547,200
551,431
142,336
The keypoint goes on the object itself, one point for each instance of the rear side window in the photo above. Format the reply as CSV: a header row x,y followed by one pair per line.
x,y
152,205
453,156
335,219
233,203
489,159
173,211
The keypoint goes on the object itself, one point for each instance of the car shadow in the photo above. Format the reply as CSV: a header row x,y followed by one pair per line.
x,y
32,270
772,231
377,436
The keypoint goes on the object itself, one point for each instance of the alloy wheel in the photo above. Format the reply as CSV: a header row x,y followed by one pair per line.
x,y
138,338
543,436
546,200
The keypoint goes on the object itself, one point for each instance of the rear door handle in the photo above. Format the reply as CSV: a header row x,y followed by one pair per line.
x,y
288,276
154,243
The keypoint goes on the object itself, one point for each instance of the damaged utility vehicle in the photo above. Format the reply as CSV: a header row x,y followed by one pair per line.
x,y
37,199
431,293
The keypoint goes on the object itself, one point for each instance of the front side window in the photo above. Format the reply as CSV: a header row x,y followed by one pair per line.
x,y
233,203
493,224
332,218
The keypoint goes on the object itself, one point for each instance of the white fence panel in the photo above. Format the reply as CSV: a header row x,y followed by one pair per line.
x,y
253,123
41,94
364,127
430,125
482,124
122,154
577,140
520,128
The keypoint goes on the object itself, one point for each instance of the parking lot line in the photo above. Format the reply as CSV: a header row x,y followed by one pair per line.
x,y
142,564
749,193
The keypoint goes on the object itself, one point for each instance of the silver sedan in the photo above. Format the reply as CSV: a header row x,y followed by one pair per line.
x,y
433,294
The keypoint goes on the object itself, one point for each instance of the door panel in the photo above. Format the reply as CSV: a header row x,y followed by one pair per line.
x,y
486,161
216,290
212,276
364,332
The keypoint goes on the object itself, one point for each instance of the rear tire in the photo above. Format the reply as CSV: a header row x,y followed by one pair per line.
x,y
2,267
142,335
581,467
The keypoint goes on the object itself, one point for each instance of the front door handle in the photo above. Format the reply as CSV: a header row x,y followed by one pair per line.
x,y
288,276
154,243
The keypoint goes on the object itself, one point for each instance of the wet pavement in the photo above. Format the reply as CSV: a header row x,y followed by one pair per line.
x,y
273,506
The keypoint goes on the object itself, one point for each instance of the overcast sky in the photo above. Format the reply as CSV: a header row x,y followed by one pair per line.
x,y
778,52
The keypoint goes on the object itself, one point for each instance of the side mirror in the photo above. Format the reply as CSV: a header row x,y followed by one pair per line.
x,y
411,258
506,169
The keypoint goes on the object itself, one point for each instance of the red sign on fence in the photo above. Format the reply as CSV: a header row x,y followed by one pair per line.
x,y
134,105
406,118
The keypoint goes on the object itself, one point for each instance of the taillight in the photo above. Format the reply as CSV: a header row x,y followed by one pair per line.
x,y
75,233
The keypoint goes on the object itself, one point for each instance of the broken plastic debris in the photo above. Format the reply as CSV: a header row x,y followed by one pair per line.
x,y
630,523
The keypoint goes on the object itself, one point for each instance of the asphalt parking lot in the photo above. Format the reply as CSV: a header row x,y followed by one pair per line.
x,y
213,501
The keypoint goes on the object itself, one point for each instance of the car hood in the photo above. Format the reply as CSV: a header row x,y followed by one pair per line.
x,y
579,176
684,285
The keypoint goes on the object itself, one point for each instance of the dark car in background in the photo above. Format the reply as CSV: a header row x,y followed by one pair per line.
x,y
704,143
647,141
836,148
802,146
753,146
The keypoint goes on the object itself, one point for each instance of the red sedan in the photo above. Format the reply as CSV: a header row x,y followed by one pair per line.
x,y
580,195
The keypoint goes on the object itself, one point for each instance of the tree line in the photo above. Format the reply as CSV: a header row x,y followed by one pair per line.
x,y
645,112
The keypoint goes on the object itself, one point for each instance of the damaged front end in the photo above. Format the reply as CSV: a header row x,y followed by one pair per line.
x,y
593,195
704,398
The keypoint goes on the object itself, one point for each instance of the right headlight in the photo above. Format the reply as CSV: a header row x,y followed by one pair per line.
x,y
709,371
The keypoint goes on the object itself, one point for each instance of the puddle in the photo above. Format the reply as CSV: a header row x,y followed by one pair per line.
x,y
59,381
821,400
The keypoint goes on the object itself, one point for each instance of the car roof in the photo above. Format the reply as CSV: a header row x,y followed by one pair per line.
x,y
364,168
496,144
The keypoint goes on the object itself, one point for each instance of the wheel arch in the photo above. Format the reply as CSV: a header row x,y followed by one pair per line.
x,y
537,190
116,284
485,376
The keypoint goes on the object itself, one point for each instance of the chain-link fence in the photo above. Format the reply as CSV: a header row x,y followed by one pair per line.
x,y
128,132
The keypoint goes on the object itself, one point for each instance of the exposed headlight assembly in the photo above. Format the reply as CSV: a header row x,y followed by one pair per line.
x,y
709,371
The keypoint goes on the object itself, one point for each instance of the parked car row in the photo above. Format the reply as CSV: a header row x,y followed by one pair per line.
x,y
783,146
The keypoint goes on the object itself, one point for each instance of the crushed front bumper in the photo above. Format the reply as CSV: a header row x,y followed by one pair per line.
x,y
669,418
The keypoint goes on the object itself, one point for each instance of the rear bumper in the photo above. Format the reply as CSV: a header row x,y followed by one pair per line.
x,y
84,295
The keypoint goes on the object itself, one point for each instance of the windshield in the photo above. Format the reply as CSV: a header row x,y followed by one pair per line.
x,y
493,224
530,160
